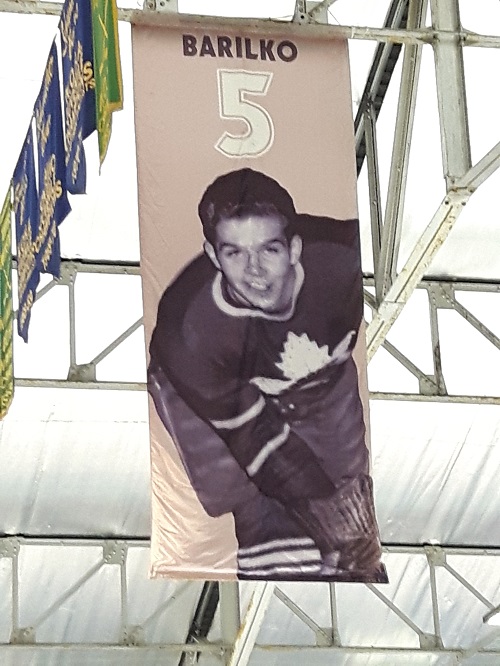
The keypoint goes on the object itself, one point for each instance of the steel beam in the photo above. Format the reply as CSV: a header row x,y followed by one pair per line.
x,y
392,606
319,31
23,640
336,638
321,636
252,622
379,76
426,247
230,618
370,147
396,190
451,94
422,397
442,291
414,269
319,8
438,377
203,617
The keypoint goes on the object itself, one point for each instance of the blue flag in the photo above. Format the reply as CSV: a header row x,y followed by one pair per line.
x,y
77,52
26,213
54,204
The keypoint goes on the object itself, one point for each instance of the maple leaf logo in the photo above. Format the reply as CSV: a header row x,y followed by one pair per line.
x,y
302,356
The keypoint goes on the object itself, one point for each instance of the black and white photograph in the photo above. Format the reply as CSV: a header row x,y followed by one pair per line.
x,y
252,374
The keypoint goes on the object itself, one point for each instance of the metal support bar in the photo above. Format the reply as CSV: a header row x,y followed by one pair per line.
x,y
434,601
69,593
136,644
468,586
420,258
379,76
203,616
132,654
252,622
163,607
72,320
425,249
365,33
426,384
145,653
319,7
481,171
474,321
15,592
420,397
93,541
370,142
40,293
318,12
168,6
393,219
300,14
473,284
322,638
451,94
68,384
436,346
124,602
402,616
113,345
230,619
336,639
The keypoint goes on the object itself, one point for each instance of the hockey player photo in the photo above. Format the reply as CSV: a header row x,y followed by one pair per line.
x,y
252,374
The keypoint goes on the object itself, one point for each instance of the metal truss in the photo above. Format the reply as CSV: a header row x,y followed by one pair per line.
x,y
403,32
235,638
365,33
236,635
84,375
377,83
441,295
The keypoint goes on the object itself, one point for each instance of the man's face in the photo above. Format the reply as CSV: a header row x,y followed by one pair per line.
x,y
257,261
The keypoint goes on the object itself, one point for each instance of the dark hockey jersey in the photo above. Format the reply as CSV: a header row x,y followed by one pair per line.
x,y
259,380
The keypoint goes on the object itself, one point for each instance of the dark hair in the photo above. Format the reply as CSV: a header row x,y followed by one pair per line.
x,y
241,193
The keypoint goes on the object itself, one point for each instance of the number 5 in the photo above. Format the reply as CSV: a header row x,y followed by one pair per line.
x,y
234,87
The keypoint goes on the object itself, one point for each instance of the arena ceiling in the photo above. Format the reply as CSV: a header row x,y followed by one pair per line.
x,y
74,457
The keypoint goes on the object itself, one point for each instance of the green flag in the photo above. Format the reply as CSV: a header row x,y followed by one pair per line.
x,y
6,316
107,68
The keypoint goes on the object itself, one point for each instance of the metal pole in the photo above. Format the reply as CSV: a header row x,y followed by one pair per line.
x,y
370,138
436,345
414,269
393,219
427,246
450,81
229,605
252,622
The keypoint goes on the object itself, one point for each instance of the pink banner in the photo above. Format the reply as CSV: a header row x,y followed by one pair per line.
x,y
252,306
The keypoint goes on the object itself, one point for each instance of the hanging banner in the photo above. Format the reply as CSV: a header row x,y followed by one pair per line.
x,y
6,314
26,212
253,304
75,28
107,68
54,204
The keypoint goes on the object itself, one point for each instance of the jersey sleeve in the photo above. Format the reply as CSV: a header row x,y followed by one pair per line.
x,y
249,422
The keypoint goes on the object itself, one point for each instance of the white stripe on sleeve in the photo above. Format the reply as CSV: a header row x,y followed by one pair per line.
x,y
241,419
271,446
